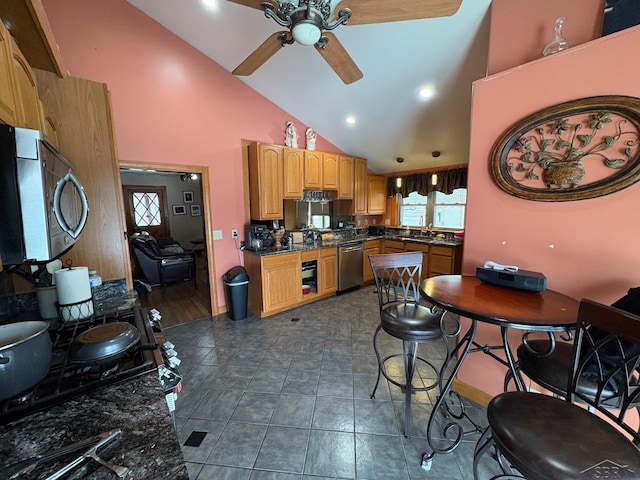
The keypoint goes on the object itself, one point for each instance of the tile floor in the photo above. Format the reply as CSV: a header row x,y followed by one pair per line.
x,y
287,398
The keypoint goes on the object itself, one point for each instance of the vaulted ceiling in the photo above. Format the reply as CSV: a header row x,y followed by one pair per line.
x,y
398,60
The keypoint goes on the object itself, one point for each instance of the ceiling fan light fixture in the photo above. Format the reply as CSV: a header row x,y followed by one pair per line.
x,y
306,33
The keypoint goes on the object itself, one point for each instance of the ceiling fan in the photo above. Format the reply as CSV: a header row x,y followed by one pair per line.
x,y
310,21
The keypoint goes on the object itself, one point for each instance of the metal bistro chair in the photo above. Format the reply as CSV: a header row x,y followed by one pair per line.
x,y
546,438
548,362
397,278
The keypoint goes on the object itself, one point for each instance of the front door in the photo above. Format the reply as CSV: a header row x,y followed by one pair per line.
x,y
146,210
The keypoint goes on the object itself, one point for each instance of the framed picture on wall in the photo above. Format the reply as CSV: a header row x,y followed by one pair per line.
x,y
179,210
187,197
196,211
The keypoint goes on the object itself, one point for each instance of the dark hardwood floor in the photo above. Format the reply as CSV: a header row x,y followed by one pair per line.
x,y
182,302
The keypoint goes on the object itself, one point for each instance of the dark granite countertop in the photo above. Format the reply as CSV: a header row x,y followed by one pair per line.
x,y
297,247
148,445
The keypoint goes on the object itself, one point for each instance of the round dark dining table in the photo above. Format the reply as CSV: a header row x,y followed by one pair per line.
x,y
467,296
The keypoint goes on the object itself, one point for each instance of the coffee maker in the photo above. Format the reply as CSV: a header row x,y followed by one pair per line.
x,y
257,237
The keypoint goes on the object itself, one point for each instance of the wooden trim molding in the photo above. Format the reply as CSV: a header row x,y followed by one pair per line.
x,y
472,393
203,171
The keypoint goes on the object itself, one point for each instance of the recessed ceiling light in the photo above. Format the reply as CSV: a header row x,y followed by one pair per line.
x,y
426,92
350,119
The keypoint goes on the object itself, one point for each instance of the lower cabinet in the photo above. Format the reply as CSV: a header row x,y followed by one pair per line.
x,y
328,271
445,260
424,248
371,247
275,281
393,246
436,259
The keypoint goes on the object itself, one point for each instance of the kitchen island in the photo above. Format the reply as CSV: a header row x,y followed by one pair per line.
x,y
148,445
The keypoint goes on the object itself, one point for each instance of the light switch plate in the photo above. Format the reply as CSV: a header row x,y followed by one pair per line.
x,y
217,234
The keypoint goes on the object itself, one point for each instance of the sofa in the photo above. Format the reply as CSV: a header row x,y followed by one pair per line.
x,y
163,261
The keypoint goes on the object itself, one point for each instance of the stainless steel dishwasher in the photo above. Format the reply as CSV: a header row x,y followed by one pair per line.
x,y
349,265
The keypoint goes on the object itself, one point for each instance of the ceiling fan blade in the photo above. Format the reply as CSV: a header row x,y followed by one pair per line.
x,y
255,3
260,55
379,11
338,58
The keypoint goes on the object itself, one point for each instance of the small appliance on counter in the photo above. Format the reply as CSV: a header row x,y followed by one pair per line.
x,y
257,237
376,230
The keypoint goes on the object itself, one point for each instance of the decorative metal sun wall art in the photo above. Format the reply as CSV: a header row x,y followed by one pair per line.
x,y
573,151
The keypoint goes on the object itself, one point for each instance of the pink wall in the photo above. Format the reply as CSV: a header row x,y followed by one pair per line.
x,y
171,104
586,248
520,29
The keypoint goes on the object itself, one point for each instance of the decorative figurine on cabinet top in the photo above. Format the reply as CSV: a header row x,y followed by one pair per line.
x,y
291,136
311,138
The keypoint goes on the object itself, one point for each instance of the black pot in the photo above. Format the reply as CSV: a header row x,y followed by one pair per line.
x,y
25,356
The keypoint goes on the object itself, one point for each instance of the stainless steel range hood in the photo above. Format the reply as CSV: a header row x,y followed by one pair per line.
x,y
319,196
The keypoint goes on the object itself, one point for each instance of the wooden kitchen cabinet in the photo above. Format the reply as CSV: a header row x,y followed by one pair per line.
x,y
393,246
274,282
83,110
7,95
312,170
359,186
445,260
320,170
329,171
293,173
27,20
345,177
266,181
49,125
376,194
328,271
371,247
25,91
420,247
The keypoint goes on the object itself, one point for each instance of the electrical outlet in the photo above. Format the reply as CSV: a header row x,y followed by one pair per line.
x,y
234,233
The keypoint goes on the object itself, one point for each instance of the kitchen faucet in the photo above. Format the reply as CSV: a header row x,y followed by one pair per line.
x,y
428,231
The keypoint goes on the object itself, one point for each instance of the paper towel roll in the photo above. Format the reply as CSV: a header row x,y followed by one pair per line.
x,y
74,293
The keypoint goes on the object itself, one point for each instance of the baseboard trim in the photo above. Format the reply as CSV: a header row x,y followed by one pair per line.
x,y
472,393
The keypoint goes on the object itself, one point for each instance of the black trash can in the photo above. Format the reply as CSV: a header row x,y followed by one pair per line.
x,y
236,286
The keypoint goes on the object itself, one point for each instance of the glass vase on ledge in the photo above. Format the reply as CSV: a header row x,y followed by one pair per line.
x,y
558,43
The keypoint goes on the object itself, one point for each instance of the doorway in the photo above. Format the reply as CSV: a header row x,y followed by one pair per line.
x,y
173,201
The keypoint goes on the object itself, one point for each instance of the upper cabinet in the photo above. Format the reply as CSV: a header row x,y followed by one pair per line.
x,y
49,125
320,170
345,177
330,171
376,196
82,109
293,173
277,173
359,186
312,170
7,98
266,180
25,91
28,24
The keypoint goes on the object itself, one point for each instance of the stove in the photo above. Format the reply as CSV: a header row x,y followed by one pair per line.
x,y
67,379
